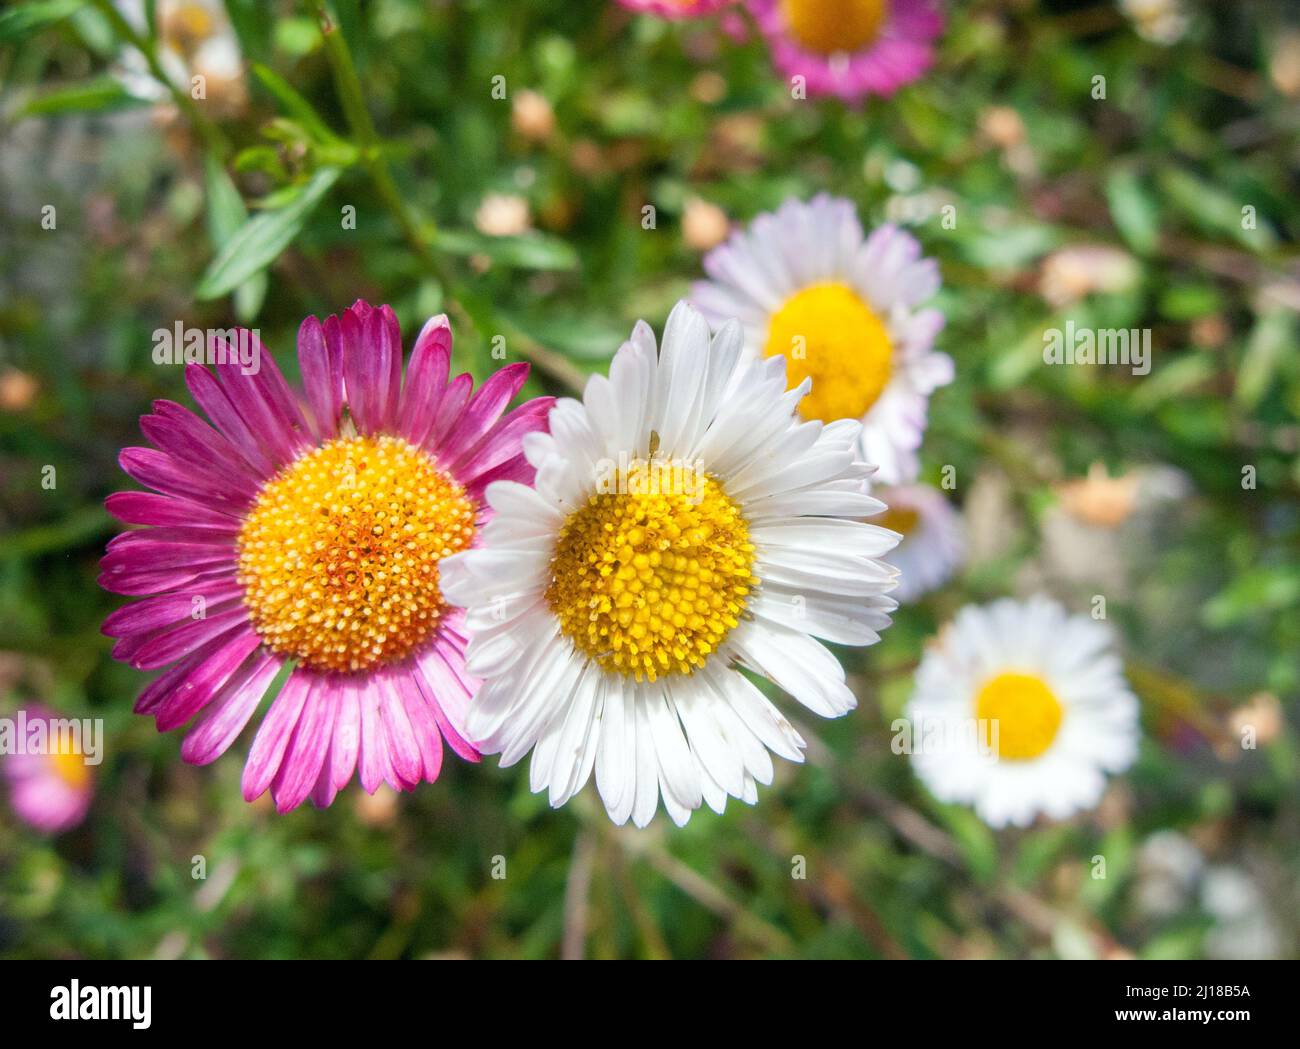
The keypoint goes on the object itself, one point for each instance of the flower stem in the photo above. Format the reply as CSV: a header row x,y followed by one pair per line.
x,y
206,129
352,98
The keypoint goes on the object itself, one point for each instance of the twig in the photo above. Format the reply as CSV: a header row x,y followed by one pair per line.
x,y
576,893
208,131
416,234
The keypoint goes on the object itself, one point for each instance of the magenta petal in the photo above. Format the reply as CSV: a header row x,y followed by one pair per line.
x,y
446,691
273,431
273,737
323,793
305,754
150,508
188,438
161,687
368,355
139,580
141,550
486,406
321,364
346,744
503,441
423,723
390,332
179,641
403,750
450,409
225,716
518,469
154,613
373,756
426,379
206,680
213,400
270,382
163,473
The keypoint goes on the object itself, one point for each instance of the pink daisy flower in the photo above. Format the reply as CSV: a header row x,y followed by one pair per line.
x,y
307,534
50,788
676,8
850,48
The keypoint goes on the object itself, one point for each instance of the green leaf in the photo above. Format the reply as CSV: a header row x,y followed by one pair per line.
x,y
295,105
260,240
28,18
226,216
530,251
88,97
978,846
1272,338
1133,210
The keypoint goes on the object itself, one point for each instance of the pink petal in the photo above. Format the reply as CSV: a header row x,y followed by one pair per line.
x,y
273,737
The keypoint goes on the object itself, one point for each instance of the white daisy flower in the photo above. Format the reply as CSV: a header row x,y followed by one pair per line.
x,y
684,524
932,548
1021,708
844,310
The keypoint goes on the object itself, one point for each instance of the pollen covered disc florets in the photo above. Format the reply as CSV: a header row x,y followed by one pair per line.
x,y
339,554
648,579
828,333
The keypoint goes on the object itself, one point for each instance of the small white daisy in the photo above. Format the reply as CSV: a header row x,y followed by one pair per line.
x,y
1021,708
932,548
684,524
844,310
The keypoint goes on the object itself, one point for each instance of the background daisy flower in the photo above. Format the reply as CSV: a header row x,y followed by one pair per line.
x,y
51,792
684,524
1055,688
850,48
309,534
844,310
931,548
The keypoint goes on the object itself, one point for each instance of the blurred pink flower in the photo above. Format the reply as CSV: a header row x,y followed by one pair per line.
x,y
50,790
850,48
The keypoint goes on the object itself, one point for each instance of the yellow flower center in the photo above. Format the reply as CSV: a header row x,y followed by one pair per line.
x,y
832,26
1027,714
70,766
339,555
649,579
828,333
900,519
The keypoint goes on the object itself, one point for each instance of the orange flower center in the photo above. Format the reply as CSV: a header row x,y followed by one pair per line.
x,y
830,27
339,555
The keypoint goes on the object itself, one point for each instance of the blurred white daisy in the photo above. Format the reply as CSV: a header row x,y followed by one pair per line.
x,y
1160,21
844,310
1021,708
195,38
684,524
931,549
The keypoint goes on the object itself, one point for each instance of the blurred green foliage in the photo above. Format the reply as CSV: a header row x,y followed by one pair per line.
x,y
231,207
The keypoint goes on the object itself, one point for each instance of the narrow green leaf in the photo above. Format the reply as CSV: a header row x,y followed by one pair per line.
x,y
1272,338
260,240
530,251
295,105
1133,210
90,96
226,215
28,18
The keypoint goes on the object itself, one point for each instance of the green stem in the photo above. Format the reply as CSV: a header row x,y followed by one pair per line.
x,y
207,130
352,98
